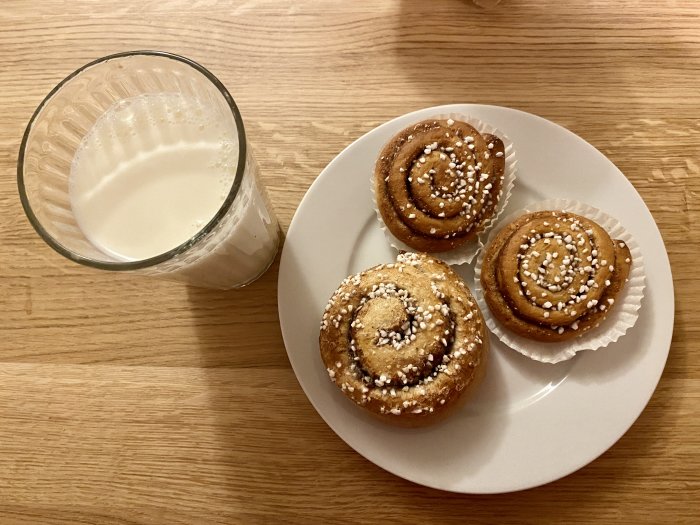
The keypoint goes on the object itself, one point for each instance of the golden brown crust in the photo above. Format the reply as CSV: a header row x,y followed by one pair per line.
x,y
553,275
438,182
406,341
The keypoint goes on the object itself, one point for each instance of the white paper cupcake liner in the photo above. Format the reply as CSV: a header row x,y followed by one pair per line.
x,y
465,253
620,319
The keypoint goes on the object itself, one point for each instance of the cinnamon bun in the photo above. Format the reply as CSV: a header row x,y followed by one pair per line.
x,y
438,182
553,275
405,341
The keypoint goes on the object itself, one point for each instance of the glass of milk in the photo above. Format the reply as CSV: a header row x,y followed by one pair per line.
x,y
139,162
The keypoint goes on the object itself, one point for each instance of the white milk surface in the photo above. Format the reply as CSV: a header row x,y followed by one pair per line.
x,y
152,171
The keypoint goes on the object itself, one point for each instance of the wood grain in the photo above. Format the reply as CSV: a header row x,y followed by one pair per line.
x,y
131,401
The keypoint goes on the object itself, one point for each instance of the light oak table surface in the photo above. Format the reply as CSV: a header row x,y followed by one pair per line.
x,y
125,400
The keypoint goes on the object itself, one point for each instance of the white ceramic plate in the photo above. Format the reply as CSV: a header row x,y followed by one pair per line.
x,y
529,423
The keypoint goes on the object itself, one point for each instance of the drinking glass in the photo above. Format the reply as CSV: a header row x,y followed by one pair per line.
x,y
232,249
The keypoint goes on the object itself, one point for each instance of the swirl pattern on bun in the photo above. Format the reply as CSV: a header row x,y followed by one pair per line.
x,y
404,340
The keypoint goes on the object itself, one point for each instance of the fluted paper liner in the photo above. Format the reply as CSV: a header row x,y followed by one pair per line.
x,y
616,324
465,253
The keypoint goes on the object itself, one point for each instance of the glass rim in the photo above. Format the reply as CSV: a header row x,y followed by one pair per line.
x,y
181,248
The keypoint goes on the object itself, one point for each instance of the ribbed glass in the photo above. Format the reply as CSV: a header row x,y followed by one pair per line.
x,y
236,246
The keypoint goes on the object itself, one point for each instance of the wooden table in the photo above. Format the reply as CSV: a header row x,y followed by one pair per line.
x,y
128,400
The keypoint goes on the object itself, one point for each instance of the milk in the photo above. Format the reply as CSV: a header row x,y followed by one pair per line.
x,y
152,172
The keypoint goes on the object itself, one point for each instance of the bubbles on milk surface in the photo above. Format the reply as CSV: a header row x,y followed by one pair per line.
x,y
151,173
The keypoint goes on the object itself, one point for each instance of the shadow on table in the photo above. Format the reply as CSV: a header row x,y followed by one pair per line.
x,y
264,424
239,328
522,54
